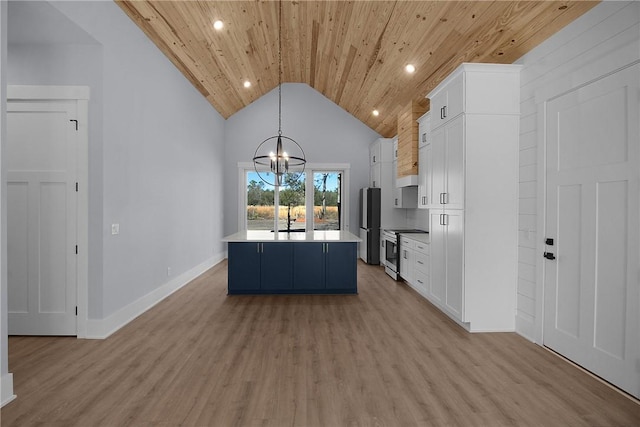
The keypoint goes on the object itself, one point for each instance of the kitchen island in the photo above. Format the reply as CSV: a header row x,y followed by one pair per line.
x,y
313,262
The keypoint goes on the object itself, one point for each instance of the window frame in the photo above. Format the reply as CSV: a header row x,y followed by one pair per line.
x,y
309,170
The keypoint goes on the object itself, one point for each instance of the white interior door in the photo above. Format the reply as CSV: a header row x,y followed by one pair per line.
x,y
592,296
41,217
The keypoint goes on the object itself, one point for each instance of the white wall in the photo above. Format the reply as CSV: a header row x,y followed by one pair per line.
x,y
155,144
601,41
326,132
162,169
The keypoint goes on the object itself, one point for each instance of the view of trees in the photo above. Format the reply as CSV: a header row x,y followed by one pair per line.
x,y
292,192
260,199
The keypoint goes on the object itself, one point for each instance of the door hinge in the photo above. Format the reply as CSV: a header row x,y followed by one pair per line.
x,y
76,187
76,310
76,249
76,122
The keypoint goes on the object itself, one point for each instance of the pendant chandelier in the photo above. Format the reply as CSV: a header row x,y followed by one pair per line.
x,y
287,157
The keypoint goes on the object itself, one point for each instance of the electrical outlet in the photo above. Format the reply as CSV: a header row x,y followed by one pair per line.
x,y
115,229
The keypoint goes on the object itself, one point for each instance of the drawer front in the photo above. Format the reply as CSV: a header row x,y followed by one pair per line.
x,y
422,247
421,280
406,243
422,262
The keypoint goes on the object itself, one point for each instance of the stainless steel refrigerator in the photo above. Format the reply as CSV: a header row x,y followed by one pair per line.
x,y
370,225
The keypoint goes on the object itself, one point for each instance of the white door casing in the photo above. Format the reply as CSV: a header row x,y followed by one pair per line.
x,y
591,288
46,216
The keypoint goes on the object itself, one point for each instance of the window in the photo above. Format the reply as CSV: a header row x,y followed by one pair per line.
x,y
326,200
261,203
312,201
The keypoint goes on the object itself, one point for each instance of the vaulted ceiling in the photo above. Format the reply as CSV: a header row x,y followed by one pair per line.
x,y
353,52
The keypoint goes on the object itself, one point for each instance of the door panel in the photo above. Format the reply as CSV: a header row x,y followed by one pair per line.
x,y
454,242
244,267
568,242
17,256
41,217
341,269
454,159
309,266
54,249
437,172
611,258
592,295
276,271
437,258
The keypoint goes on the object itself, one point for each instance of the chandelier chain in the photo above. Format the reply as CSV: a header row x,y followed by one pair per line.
x,y
280,68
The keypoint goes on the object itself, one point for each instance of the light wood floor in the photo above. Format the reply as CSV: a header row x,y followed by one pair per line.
x,y
385,357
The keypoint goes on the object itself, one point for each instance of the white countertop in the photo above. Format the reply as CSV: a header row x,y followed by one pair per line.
x,y
283,236
419,237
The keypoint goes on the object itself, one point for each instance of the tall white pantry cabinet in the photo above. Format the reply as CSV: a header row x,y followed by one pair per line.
x,y
475,116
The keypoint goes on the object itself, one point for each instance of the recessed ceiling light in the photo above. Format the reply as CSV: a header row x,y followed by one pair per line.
x,y
410,68
376,113
218,25
247,83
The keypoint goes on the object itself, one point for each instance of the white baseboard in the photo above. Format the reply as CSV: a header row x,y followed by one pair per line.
x,y
6,389
525,327
103,328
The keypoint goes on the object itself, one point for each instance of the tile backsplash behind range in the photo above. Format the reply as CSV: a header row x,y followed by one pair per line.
x,y
418,218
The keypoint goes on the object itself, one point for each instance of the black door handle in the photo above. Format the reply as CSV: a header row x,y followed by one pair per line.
x,y
549,255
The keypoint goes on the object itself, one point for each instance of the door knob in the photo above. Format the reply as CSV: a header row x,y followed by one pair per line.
x,y
549,255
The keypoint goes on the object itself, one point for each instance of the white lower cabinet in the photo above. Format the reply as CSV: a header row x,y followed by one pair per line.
x,y
447,261
421,267
414,262
406,259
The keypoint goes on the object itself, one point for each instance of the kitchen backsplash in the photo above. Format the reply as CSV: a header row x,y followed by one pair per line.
x,y
418,218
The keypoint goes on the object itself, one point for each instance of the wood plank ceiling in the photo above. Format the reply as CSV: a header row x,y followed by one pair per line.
x,y
353,52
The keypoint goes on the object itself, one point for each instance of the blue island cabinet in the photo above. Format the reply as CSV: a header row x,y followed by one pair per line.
x,y
325,268
292,268
256,268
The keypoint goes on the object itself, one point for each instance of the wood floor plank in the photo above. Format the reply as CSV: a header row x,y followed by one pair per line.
x,y
384,357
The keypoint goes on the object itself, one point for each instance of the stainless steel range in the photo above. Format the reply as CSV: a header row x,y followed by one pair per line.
x,y
391,243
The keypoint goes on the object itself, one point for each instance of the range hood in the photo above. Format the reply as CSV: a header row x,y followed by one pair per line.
x,y
407,145
407,181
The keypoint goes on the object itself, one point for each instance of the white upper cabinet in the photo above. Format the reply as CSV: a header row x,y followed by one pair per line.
x,y
447,165
375,175
475,89
448,102
424,126
424,178
380,151
424,161
395,150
